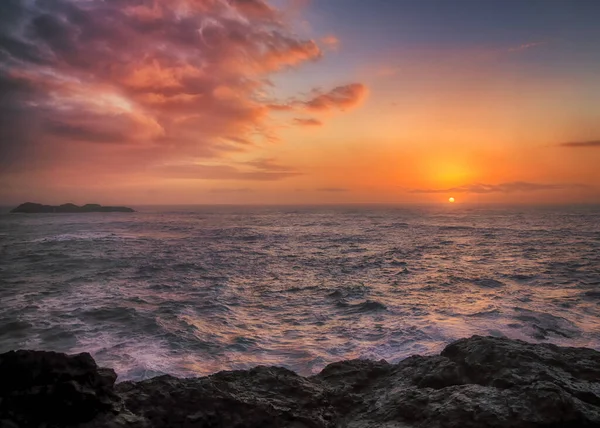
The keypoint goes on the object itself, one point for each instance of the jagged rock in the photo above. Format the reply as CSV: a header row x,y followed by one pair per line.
x,y
47,387
33,208
475,382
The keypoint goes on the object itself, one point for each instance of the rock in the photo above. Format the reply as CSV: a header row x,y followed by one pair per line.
x,y
33,208
491,382
48,387
475,382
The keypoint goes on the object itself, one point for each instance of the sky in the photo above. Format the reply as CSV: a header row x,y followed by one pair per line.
x,y
299,101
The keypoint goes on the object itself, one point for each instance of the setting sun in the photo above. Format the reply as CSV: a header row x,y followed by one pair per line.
x,y
451,199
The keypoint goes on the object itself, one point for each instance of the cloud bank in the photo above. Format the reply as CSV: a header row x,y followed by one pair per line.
x,y
580,144
104,84
510,187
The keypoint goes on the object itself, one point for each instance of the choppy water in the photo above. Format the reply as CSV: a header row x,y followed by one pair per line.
x,y
197,290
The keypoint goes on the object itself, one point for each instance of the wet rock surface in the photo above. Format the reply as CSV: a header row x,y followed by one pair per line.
x,y
475,382
39,388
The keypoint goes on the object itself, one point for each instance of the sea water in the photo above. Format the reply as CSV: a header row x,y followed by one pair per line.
x,y
189,291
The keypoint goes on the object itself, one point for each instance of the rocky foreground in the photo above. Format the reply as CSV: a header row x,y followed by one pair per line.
x,y
475,382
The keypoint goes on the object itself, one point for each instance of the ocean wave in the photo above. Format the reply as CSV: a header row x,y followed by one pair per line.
x,y
492,313
394,225
592,294
83,236
455,228
488,283
362,307
542,325
15,329
351,291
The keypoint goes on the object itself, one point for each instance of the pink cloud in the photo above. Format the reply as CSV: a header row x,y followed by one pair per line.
x,y
331,42
168,79
340,98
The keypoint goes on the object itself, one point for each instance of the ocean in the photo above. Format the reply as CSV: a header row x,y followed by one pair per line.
x,y
190,291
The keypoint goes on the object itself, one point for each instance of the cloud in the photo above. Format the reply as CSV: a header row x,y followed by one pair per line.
x,y
340,98
331,42
229,190
221,172
332,189
168,79
581,144
387,71
268,164
511,187
307,121
525,46
264,169
281,107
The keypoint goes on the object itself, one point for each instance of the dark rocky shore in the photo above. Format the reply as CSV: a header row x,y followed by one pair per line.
x,y
33,208
475,382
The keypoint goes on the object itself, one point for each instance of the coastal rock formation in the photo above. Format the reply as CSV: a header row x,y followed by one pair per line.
x,y
39,387
475,382
33,208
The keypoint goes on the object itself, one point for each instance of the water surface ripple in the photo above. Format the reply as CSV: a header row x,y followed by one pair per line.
x,y
190,291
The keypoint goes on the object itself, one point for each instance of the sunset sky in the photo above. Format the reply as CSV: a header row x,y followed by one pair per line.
x,y
298,101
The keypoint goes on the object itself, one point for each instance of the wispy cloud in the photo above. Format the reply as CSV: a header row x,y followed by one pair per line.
x,y
222,172
510,187
230,190
307,121
581,144
265,169
333,189
331,42
387,71
525,46
268,164
341,98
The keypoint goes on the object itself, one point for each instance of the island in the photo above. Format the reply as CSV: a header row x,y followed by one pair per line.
x,y
33,208
475,382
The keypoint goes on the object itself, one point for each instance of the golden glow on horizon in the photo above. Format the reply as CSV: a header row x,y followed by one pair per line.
x,y
236,120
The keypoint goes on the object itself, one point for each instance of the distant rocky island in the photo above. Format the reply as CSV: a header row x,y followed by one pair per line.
x,y
475,382
33,208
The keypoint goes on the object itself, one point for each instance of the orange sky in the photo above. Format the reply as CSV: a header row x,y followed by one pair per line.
x,y
206,101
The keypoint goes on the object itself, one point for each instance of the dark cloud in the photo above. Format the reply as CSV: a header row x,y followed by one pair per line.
x,y
59,35
84,132
511,187
581,144
12,49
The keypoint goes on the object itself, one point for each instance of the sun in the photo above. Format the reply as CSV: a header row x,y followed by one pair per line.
x,y
451,199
